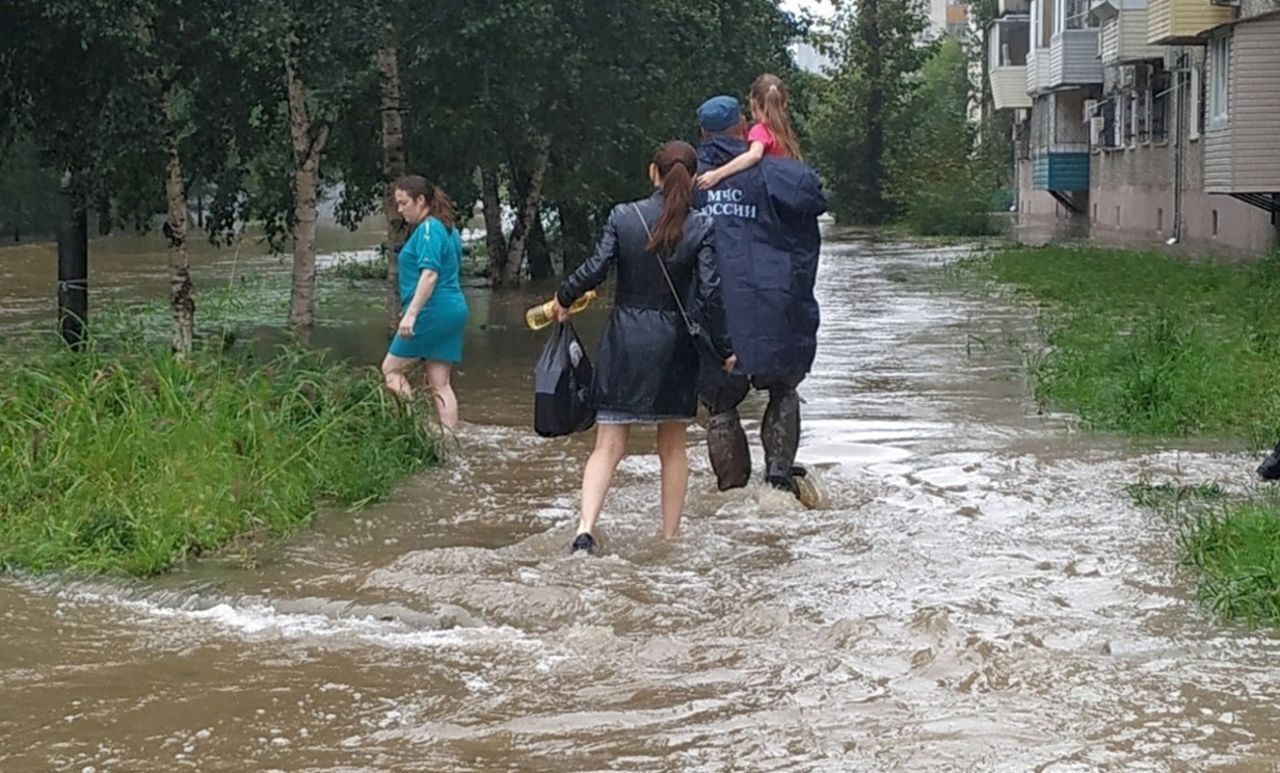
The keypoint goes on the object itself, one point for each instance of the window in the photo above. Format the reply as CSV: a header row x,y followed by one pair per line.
x,y
1147,108
1144,120
1109,123
1119,125
1161,96
1219,80
1133,120
1075,15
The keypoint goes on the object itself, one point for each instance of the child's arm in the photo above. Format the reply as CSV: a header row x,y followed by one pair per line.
x,y
710,179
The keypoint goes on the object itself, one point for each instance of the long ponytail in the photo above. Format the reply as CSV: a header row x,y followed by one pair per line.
x,y
769,93
676,163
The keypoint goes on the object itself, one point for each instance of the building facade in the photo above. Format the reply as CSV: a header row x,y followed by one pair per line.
x,y
1156,119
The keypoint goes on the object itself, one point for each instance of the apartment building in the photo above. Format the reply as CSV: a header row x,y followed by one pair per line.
x,y
1157,119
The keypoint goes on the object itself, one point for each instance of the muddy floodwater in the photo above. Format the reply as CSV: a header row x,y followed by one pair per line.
x,y
977,593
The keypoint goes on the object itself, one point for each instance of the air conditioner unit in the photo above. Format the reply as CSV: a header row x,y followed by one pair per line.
x,y
1097,125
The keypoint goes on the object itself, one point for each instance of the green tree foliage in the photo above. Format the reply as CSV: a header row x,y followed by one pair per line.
x,y
857,125
938,183
892,132
28,194
262,106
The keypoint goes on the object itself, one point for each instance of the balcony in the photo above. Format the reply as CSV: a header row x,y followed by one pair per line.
x,y
1073,59
1008,41
1009,88
1183,22
1065,170
1060,142
1038,72
1242,157
1123,32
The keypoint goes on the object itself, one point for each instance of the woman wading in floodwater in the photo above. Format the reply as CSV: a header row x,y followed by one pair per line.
x,y
647,370
434,310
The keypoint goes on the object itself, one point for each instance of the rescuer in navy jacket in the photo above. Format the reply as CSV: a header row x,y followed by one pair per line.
x,y
767,246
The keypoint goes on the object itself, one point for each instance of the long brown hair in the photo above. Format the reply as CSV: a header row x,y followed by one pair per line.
x,y
416,186
676,162
769,97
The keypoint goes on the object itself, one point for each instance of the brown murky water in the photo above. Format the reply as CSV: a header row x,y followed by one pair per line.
x,y
978,594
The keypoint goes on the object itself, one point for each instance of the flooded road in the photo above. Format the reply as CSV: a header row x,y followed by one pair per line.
x,y
977,594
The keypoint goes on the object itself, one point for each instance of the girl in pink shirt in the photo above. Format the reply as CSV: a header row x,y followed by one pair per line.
x,y
770,135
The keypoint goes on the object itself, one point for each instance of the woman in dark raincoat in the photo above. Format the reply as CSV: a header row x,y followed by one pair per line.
x,y
647,369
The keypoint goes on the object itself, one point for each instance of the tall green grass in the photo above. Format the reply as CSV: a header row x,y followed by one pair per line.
x,y
1151,346
1236,553
132,460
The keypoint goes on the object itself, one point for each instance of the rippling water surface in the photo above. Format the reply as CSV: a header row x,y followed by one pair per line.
x,y
977,594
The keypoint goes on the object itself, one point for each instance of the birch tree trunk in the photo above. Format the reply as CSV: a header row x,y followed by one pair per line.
x,y
494,238
181,291
308,144
511,272
394,162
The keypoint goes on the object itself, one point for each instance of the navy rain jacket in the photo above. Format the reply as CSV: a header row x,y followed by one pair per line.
x,y
767,246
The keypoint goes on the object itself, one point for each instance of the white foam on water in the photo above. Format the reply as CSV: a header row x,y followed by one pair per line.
x,y
256,621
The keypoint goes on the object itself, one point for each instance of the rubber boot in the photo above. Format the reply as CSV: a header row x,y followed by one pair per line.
x,y
728,449
1270,467
780,434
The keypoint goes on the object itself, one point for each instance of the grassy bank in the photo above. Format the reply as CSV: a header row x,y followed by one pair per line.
x,y
1155,347
1152,346
131,461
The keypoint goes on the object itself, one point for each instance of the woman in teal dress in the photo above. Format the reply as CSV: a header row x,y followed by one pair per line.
x,y
434,311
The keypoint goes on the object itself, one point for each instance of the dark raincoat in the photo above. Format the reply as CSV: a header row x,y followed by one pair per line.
x,y
767,245
648,362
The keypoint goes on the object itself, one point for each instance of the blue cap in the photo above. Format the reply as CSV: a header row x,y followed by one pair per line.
x,y
719,114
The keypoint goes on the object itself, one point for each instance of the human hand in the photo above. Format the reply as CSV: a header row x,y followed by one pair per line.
x,y
558,312
406,325
730,363
708,180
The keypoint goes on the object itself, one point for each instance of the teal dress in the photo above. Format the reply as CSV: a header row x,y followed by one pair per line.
x,y
437,335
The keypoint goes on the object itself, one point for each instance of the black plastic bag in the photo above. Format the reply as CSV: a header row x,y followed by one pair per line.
x,y
564,384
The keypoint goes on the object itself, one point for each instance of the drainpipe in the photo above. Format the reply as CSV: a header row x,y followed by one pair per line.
x,y
1179,131
1017,179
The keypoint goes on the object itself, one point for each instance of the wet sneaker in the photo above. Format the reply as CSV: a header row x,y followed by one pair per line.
x,y
1270,467
808,493
799,484
584,542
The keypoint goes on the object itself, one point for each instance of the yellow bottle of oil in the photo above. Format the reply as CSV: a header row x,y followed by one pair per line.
x,y
539,316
